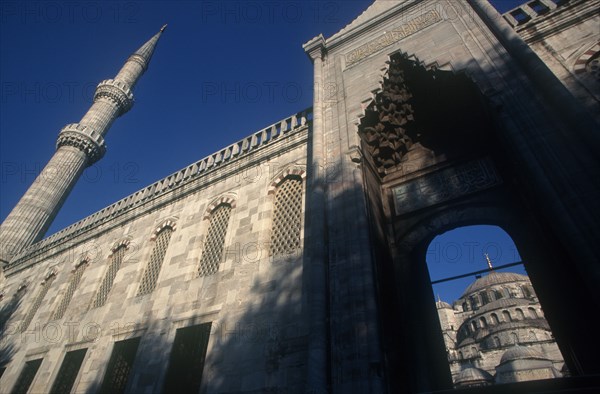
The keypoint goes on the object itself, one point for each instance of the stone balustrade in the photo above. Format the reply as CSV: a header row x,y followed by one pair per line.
x,y
250,144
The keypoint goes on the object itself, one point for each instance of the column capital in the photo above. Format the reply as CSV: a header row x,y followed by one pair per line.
x,y
316,47
83,138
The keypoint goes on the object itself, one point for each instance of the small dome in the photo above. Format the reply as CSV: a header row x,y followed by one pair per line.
x,y
494,278
442,305
521,353
472,375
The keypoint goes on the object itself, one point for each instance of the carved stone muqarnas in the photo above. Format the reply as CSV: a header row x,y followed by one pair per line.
x,y
389,128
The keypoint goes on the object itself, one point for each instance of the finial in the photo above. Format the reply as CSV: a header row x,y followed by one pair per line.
x,y
439,299
489,262
163,28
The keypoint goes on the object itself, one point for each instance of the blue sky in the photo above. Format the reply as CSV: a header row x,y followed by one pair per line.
x,y
221,71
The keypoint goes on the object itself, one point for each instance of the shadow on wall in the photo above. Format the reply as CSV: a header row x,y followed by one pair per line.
x,y
7,350
257,345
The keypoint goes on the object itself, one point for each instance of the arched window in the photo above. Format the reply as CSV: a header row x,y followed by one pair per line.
x,y
514,337
484,298
73,283
526,291
215,240
483,322
520,314
37,301
495,319
532,313
506,316
474,325
156,260
498,294
287,217
497,342
116,259
465,306
474,302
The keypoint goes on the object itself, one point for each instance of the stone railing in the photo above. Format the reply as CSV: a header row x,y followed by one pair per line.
x,y
244,147
531,10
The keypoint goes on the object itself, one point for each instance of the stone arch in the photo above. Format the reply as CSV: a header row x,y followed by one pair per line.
x,y
579,66
278,179
124,242
228,198
170,223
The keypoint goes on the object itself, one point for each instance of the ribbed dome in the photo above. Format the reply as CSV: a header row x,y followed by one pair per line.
x,y
494,278
473,375
521,353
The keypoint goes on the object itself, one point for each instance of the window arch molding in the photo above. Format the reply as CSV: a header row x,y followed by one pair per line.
x,y
228,199
124,242
283,175
167,223
579,67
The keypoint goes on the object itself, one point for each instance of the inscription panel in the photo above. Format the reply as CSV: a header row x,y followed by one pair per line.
x,y
411,27
446,184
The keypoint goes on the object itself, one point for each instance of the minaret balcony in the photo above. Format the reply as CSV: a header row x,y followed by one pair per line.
x,y
116,91
85,139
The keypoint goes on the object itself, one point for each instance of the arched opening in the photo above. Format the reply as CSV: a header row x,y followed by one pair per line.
x,y
478,269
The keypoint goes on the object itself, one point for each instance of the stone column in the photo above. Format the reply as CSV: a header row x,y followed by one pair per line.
x,y
316,251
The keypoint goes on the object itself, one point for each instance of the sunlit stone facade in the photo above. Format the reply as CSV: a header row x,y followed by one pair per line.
x,y
427,115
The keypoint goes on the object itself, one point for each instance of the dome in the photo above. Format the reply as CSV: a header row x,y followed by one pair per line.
x,y
472,375
521,353
442,305
494,278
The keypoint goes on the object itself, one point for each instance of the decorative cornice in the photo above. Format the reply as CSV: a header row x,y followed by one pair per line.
x,y
116,91
83,138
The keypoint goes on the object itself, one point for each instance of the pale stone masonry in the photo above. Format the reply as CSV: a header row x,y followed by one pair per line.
x,y
427,116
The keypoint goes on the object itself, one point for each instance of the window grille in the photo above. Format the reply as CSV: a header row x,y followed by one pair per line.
x,y
215,240
287,217
156,259
75,279
119,366
107,282
186,363
36,303
26,376
68,372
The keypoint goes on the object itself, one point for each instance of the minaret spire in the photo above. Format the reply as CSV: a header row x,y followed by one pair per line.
x,y
79,145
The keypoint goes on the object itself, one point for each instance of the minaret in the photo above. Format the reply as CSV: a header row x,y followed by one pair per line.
x,y
79,145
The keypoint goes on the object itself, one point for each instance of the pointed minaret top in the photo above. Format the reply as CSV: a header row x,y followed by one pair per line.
x,y
138,63
146,50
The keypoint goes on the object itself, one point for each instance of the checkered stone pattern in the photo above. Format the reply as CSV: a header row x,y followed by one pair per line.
x,y
75,279
108,280
156,260
36,303
215,240
287,217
